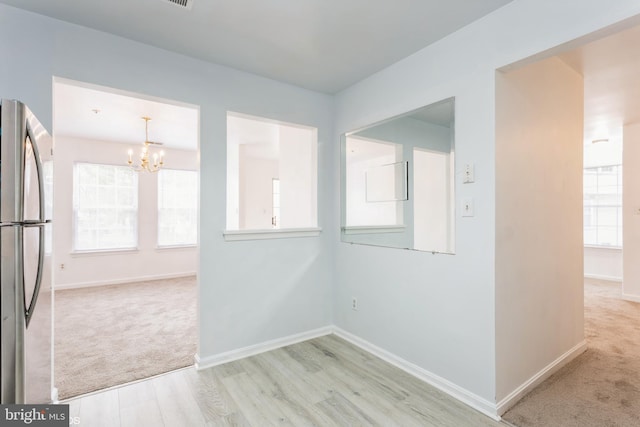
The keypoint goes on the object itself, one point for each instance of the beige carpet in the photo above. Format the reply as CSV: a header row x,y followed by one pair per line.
x,y
110,335
601,388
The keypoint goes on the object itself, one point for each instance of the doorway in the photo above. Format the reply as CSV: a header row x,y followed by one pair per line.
x,y
125,236
596,386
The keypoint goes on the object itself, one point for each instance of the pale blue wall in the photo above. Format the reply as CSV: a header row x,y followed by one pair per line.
x,y
250,292
436,311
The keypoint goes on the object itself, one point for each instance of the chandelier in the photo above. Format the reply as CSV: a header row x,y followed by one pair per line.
x,y
145,164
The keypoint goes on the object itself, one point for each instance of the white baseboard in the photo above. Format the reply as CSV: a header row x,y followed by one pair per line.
x,y
465,396
126,280
252,350
603,277
506,403
631,297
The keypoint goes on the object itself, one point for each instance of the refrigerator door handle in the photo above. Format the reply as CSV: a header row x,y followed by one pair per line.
x,y
39,171
36,290
29,309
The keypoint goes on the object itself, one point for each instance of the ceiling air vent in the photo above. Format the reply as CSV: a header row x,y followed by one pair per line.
x,y
185,4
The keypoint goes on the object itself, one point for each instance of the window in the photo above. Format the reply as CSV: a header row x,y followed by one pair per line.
x,y
271,176
177,207
603,206
105,207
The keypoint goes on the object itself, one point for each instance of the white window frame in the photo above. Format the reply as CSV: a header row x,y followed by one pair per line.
x,y
177,245
124,248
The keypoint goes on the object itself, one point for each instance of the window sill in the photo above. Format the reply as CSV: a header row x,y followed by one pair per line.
x,y
373,229
611,248
284,233
104,252
178,247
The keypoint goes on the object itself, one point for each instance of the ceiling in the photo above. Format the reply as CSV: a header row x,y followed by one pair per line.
x,y
97,113
323,45
326,54
611,70
316,44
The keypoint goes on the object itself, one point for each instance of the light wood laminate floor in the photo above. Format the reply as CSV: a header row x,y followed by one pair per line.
x,y
321,382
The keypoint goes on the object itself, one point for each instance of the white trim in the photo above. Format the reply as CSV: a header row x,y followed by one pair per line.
x,y
252,350
513,397
102,252
603,277
120,281
465,396
54,395
604,247
373,229
176,247
630,297
276,233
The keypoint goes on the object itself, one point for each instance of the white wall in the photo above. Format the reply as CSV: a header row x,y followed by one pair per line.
x,y
631,212
147,262
256,187
298,177
362,155
603,263
251,291
432,201
445,305
539,259
233,187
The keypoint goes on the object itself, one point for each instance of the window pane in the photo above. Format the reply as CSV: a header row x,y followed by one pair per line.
x,y
177,207
106,196
105,207
590,236
106,175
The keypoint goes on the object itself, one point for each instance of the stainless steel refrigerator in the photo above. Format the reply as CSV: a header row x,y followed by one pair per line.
x,y
25,268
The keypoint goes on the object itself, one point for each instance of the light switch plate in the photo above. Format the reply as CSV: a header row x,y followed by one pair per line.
x,y
467,206
468,173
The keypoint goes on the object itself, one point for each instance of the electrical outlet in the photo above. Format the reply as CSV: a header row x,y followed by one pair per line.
x,y
61,266
354,303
